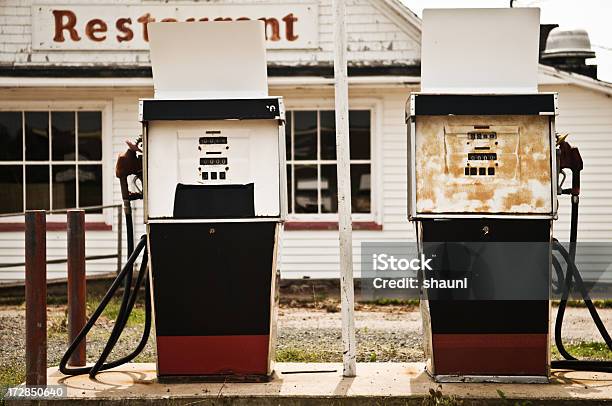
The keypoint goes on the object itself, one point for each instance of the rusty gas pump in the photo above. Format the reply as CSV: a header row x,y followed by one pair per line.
x,y
484,165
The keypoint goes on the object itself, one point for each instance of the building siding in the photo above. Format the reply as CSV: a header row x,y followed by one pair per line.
x,y
585,114
125,125
374,37
377,36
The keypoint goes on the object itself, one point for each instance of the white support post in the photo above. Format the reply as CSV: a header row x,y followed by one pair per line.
x,y
345,228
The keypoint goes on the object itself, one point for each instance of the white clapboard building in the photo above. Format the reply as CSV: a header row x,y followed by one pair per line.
x,y
71,74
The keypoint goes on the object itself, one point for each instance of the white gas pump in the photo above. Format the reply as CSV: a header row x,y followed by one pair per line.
x,y
214,194
213,171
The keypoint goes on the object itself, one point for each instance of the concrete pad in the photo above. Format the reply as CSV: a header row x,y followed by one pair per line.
x,y
313,383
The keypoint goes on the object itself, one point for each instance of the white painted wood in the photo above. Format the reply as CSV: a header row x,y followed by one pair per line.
x,y
584,113
97,242
345,228
290,25
379,31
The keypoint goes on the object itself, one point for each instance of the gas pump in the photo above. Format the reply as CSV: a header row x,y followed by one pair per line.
x,y
484,199
482,194
214,194
214,189
483,185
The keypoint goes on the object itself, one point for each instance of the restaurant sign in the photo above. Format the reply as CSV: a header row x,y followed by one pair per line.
x,y
124,27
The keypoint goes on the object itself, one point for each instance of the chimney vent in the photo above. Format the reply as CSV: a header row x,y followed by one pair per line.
x,y
568,50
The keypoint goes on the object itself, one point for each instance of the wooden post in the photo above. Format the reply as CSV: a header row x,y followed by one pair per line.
x,y
345,228
77,291
36,297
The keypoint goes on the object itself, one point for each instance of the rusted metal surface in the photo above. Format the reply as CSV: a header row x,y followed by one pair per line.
x,y
510,172
36,297
77,293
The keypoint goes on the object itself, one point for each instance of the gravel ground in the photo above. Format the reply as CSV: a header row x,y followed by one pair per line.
x,y
390,333
12,337
384,333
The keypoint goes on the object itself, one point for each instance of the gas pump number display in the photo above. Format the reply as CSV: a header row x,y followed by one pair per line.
x,y
213,165
213,140
213,161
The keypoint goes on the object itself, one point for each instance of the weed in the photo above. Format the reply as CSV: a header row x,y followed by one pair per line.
x,y
331,307
437,398
59,325
383,301
11,375
507,401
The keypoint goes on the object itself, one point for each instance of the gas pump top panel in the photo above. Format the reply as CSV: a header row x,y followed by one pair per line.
x,y
482,155
481,139
214,149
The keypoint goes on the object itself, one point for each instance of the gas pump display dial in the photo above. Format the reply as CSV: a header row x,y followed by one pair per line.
x,y
213,162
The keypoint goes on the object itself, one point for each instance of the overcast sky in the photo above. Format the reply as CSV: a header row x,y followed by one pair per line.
x,y
595,16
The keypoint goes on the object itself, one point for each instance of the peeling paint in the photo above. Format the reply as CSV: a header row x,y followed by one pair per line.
x,y
512,167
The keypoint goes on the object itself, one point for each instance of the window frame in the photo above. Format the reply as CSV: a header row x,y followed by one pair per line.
x,y
375,107
105,107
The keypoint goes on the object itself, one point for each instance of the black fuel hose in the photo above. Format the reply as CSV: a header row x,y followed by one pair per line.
x,y
557,287
127,209
571,274
127,304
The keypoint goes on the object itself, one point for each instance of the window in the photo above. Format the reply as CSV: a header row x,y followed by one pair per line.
x,y
50,160
311,161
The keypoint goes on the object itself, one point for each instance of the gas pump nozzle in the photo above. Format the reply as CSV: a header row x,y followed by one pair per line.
x,y
569,158
129,163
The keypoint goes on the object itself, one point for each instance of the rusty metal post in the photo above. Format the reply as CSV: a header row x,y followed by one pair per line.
x,y
77,292
36,297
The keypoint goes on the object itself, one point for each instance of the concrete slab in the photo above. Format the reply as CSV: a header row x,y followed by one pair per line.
x,y
313,383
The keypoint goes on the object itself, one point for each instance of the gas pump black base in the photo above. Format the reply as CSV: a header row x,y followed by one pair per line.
x,y
498,331
214,298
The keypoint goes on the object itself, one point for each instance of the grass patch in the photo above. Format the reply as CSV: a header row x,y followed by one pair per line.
x,y
599,303
11,375
588,350
299,355
137,316
384,301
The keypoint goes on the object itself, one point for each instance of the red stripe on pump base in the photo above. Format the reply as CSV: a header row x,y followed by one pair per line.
x,y
211,356
490,354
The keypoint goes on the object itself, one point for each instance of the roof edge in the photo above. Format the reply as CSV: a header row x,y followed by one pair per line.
x,y
326,70
577,79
